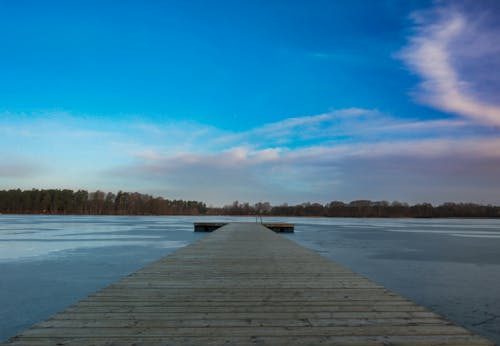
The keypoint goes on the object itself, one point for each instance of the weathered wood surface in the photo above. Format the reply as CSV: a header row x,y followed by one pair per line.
x,y
244,284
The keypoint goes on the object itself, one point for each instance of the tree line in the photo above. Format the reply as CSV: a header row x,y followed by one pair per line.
x,y
82,202
362,208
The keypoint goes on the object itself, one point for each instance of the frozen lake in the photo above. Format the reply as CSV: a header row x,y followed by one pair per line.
x,y
452,266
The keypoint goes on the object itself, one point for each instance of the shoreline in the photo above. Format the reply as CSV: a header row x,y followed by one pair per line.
x,y
267,216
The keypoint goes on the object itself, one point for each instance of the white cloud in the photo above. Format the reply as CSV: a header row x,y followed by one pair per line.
x,y
444,37
385,169
377,158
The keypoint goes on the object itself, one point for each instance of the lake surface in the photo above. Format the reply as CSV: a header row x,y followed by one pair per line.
x,y
452,266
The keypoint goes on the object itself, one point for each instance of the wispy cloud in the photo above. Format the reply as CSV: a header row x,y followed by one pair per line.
x,y
450,48
340,125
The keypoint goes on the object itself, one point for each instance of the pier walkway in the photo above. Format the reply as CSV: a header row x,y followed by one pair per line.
x,y
244,285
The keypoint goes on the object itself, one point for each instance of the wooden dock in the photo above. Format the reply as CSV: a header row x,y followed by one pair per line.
x,y
244,285
212,226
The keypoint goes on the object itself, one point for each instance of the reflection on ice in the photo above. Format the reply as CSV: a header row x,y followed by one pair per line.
x,y
28,249
32,236
471,235
452,231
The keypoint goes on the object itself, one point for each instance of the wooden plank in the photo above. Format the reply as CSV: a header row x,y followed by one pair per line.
x,y
409,340
114,332
230,323
244,284
257,315
245,308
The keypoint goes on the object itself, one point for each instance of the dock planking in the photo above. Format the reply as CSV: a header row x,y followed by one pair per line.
x,y
244,284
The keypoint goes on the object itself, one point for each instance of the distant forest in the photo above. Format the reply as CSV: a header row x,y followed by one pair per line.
x,y
82,202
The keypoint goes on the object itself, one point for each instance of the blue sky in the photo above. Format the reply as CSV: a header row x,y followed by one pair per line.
x,y
285,101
